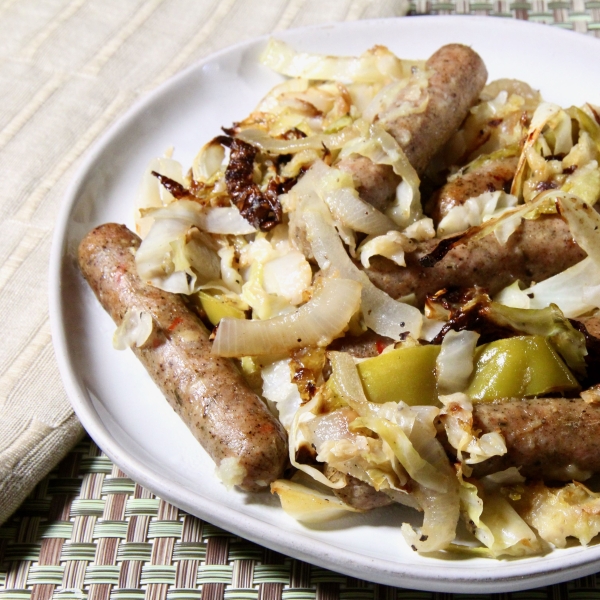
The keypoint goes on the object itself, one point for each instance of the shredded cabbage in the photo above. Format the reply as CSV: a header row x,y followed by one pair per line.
x,y
400,98
496,524
175,256
458,423
410,434
366,458
541,117
279,389
208,164
276,276
135,329
454,363
288,276
560,513
584,223
230,276
151,193
575,291
392,245
391,421
381,148
441,510
475,211
295,438
263,141
395,437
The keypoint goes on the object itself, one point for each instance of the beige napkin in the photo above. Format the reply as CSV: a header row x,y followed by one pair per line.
x,y
69,68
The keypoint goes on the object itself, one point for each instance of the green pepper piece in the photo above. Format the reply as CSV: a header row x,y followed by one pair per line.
x,y
406,374
518,367
217,308
548,322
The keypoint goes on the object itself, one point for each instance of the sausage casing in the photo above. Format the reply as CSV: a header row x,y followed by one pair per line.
x,y
457,76
537,250
207,392
548,438
491,176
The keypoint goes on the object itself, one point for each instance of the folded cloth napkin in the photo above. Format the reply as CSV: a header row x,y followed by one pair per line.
x,y
69,68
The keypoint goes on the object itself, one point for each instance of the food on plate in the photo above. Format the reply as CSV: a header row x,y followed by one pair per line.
x,y
230,421
402,263
543,437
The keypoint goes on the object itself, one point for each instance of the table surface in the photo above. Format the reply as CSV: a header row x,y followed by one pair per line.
x,y
87,530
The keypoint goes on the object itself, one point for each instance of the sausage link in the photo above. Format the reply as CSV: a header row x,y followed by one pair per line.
x,y
375,184
361,495
492,175
549,438
206,391
537,250
357,493
457,77
367,345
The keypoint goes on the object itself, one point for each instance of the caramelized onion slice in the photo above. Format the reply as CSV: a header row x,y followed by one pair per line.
x,y
382,313
263,141
316,323
376,65
336,189
309,505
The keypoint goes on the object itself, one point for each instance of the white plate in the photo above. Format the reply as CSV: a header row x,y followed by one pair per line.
x,y
126,414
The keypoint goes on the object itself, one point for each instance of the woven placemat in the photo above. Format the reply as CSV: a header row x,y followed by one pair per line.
x,y
579,15
88,531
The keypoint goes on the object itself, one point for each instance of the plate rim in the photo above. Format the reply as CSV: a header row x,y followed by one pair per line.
x,y
331,557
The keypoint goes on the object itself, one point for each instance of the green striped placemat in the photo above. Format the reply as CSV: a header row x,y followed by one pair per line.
x,y
89,532
579,15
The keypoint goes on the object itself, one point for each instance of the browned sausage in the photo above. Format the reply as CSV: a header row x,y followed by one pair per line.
x,y
537,250
457,78
375,184
207,392
492,175
549,438
357,493
367,345
592,324
361,495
